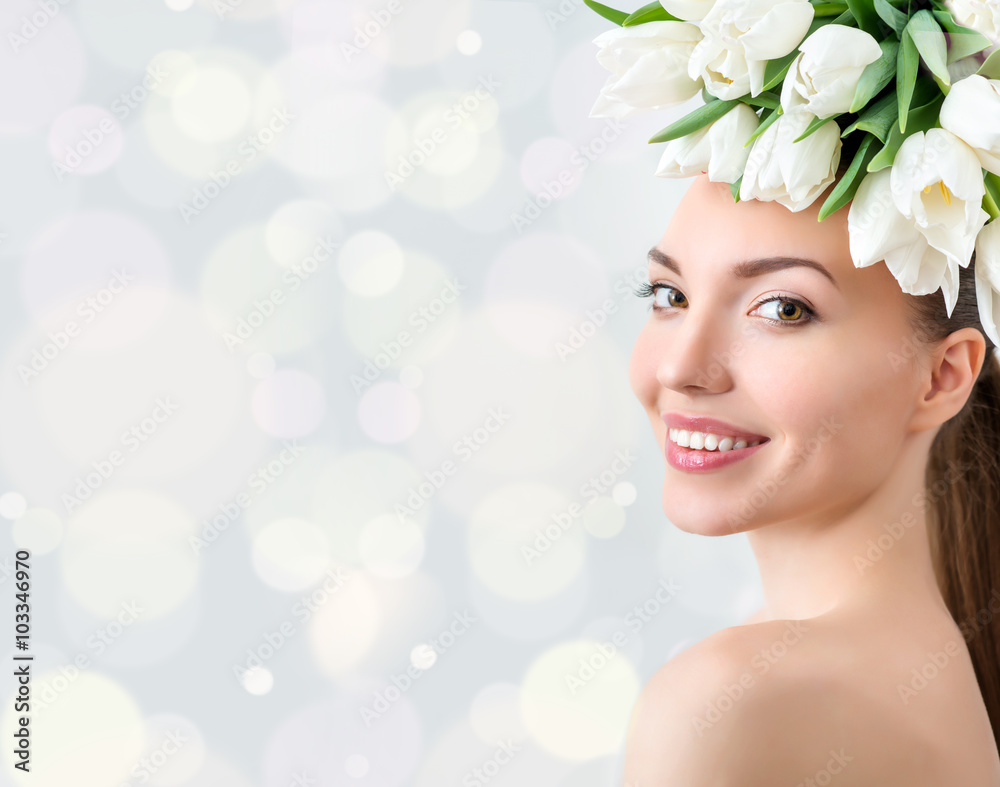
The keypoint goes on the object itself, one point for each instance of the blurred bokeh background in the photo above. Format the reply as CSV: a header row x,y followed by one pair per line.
x,y
314,409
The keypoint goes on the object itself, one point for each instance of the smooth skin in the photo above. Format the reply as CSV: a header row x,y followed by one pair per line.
x,y
809,688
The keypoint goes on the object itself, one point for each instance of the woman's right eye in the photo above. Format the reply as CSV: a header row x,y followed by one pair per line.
x,y
664,296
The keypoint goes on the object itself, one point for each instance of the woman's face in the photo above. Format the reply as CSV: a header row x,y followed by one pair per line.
x,y
825,373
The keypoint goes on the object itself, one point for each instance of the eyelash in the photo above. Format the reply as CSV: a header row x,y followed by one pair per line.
x,y
648,290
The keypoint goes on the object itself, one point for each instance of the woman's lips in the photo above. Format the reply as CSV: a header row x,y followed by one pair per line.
x,y
703,423
693,460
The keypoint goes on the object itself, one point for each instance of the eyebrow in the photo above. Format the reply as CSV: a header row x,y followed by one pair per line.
x,y
749,268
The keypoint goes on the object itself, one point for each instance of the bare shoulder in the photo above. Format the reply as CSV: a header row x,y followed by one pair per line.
x,y
774,702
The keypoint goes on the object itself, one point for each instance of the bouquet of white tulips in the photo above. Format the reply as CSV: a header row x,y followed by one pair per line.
x,y
907,92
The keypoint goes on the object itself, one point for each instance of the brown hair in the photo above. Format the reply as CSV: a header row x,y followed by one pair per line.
x,y
964,519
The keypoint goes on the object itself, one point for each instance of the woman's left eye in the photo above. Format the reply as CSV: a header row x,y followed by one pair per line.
x,y
788,310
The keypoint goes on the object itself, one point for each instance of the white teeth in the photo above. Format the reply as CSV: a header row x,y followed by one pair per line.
x,y
707,441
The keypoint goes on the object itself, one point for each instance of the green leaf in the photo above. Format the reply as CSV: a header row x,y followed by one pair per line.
x,y
654,12
767,100
693,121
618,17
775,70
907,63
962,41
821,10
989,204
864,12
925,91
931,43
849,182
764,125
893,17
921,119
991,68
878,118
814,125
992,188
735,188
876,75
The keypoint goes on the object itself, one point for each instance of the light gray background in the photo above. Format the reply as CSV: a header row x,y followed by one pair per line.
x,y
158,349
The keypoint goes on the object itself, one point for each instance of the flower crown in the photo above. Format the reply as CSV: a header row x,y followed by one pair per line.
x,y
903,90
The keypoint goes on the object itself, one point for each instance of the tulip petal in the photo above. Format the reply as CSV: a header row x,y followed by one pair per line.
x,y
779,31
971,111
988,279
727,139
692,10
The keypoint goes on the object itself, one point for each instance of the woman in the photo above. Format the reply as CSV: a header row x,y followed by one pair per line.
x,y
871,501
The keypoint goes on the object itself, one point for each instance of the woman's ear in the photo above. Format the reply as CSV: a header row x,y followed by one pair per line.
x,y
954,369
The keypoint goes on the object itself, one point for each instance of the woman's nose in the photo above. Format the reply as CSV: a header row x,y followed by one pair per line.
x,y
695,353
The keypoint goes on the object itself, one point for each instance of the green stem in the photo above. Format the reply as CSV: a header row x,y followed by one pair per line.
x,y
828,9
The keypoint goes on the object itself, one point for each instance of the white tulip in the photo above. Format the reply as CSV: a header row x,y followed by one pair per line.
x,y
878,231
983,16
971,111
717,149
988,279
689,10
824,75
740,37
789,172
937,182
648,65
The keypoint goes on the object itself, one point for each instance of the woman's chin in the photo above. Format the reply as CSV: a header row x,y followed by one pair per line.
x,y
699,519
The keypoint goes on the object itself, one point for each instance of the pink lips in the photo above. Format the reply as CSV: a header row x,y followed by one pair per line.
x,y
702,423
692,460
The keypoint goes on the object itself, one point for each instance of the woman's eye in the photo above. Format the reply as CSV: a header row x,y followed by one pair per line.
x,y
667,297
785,310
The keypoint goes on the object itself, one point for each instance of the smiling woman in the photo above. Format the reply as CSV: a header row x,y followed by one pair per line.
x,y
813,405
819,368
